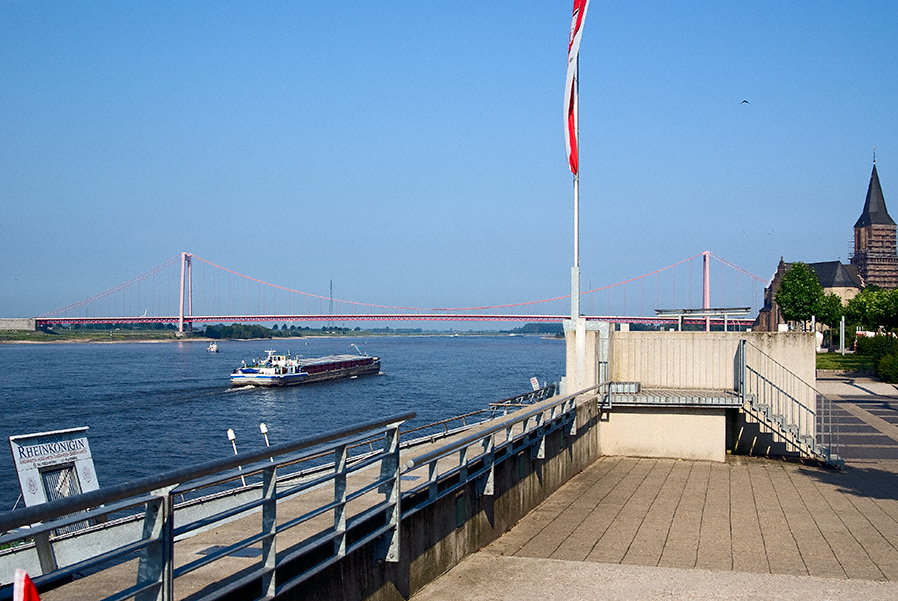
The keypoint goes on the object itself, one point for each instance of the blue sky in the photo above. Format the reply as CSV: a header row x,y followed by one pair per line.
x,y
413,153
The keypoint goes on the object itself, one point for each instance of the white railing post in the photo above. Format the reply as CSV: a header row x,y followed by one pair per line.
x,y
269,531
463,464
340,500
393,494
490,460
155,565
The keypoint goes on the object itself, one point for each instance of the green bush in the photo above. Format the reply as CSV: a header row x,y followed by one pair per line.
x,y
887,368
877,346
883,352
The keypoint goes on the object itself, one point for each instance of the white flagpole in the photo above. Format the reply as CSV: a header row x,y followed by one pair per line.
x,y
575,271
578,322
572,137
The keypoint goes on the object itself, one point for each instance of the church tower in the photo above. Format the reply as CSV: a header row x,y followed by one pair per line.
x,y
875,254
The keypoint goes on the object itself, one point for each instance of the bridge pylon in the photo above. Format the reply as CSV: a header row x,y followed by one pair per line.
x,y
186,286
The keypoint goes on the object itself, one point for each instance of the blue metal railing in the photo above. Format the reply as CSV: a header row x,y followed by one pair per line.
x,y
275,475
148,526
480,451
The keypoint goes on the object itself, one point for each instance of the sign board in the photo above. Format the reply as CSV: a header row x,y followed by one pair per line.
x,y
534,383
52,465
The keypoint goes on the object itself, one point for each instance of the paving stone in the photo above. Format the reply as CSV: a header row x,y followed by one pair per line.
x,y
769,518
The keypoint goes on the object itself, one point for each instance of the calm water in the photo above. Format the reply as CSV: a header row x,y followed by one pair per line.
x,y
159,406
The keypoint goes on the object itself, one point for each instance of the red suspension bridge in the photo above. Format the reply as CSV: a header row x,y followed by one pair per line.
x,y
188,290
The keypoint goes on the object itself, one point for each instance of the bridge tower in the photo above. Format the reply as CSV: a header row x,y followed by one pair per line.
x,y
186,286
706,287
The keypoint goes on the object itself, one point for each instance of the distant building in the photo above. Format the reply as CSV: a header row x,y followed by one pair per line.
x,y
875,255
834,277
874,262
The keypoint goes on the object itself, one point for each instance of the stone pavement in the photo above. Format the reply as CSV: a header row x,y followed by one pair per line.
x,y
631,528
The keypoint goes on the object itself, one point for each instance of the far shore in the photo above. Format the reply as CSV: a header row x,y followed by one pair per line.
x,y
99,339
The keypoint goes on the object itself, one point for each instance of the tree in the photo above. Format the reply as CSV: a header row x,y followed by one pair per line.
x,y
862,311
875,309
799,293
829,310
888,310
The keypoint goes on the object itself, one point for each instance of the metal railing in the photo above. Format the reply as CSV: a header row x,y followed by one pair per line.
x,y
803,416
276,488
479,452
453,425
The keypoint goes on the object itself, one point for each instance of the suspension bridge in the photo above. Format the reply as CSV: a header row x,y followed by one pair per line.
x,y
187,290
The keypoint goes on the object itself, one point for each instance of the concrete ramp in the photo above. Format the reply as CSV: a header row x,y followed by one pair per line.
x,y
486,577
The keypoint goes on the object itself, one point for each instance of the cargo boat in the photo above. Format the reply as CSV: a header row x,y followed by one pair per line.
x,y
284,370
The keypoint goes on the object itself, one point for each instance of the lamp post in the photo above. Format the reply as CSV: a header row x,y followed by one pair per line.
x,y
233,438
264,430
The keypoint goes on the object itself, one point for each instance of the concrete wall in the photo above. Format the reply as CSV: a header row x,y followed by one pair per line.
x,y
17,323
690,360
594,349
703,360
676,432
439,536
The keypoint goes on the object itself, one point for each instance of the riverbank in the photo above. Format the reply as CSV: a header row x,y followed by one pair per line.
x,y
98,336
144,336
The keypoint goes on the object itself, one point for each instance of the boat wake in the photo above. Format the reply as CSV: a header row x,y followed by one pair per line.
x,y
240,388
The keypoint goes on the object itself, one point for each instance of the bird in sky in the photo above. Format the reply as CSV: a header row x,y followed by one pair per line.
x,y
744,102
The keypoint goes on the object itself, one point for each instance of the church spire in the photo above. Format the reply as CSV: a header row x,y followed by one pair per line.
x,y
875,212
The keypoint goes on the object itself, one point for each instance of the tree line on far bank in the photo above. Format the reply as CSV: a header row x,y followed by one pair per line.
x,y
240,331
801,299
245,331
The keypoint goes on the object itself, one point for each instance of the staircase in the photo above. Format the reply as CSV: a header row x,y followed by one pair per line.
x,y
789,408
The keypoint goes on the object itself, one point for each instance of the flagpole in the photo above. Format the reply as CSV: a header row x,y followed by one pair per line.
x,y
575,270
577,324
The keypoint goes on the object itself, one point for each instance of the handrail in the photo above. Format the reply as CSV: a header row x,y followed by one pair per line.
x,y
156,572
10,520
803,413
496,426
777,363
492,410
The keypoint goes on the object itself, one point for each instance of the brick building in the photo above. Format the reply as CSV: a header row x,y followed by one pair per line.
x,y
834,277
874,261
875,254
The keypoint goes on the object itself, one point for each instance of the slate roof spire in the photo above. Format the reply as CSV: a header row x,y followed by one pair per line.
x,y
875,212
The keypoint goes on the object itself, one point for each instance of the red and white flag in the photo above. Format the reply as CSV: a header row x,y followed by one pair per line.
x,y
23,589
570,86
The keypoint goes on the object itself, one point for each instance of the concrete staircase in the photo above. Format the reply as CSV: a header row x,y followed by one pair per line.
x,y
787,407
805,445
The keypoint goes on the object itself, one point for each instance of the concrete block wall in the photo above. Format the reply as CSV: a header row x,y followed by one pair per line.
x,y
17,323
703,360
676,432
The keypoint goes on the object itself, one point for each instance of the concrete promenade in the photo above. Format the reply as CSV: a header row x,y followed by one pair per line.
x,y
750,528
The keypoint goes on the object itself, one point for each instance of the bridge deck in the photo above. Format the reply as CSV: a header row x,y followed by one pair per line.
x,y
629,528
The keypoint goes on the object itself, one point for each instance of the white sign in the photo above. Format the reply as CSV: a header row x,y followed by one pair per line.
x,y
534,383
60,459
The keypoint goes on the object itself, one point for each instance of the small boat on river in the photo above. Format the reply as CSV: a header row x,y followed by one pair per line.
x,y
212,348
284,370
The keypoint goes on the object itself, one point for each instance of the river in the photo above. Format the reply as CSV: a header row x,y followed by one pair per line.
x,y
152,407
